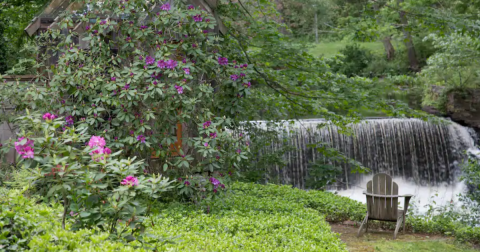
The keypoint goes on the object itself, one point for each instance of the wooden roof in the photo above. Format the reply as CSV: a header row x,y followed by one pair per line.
x,y
47,18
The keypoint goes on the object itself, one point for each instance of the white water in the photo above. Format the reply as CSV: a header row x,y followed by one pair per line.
x,y
424,196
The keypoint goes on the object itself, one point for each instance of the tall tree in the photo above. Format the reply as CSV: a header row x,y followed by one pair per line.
x,y
412,55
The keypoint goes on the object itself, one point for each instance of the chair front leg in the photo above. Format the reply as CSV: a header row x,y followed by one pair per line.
x,y
407,201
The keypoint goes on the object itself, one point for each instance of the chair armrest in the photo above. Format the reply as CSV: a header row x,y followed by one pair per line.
x,y
387,196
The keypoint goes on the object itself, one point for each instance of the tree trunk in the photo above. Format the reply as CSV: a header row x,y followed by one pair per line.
x,y
412,56
389,50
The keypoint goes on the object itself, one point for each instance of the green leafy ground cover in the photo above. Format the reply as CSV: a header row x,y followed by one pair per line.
x,y
251,218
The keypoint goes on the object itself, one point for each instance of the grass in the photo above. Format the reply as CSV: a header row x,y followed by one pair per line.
x,y
420,246
380,240
329,49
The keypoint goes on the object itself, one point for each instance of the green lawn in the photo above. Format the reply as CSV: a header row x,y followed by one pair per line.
x,y
329,49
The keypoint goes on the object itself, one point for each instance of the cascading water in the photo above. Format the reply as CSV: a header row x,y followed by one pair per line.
x,y
415,151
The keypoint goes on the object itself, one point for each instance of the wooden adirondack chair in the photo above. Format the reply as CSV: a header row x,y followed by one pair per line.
x,y
382,203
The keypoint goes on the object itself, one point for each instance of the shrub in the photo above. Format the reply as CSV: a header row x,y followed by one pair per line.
x,y
95,188
354,60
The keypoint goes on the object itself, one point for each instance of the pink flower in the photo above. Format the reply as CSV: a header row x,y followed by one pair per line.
x,y
247,85
197,18
186,70
213,135
207,124
28,152
171,64
96,141
113,78
49,117
179,89
107,151
161,64
165,7
149,60
234,77
222,61
205,144
130,181
26,149
186,183
191,7
141,138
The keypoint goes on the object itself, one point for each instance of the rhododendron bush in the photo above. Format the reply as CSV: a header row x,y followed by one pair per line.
x,y
145,68
96,188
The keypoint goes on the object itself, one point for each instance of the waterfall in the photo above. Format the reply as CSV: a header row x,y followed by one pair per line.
x,y
414,150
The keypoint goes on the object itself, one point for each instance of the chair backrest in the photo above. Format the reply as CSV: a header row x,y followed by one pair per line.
x,y
380,208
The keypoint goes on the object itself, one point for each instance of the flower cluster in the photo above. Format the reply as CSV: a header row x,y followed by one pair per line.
x,y
26,149
69,120
49,117
98,143
179,89
149,60
165,7
216,184
130,181
141,138
197,18
207,124
222,61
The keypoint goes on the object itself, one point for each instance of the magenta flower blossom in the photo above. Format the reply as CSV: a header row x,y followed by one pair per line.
x,y
247,85
194,45
222,186
171,64
48,116
239,151
126,87
222,61
155,83
215,190
242,75
184,61
26,149
96,141
69,120
165,7
87,27
179,89
107,151
128,39
215,183
130,181
186,183
234,77
95,31
213,135
103,22
197,18
186,70
207,124
191,7
113,78
149,60
141,138
205,144
143,27
161,64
